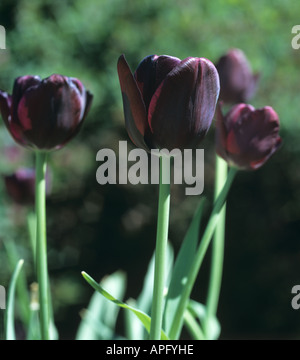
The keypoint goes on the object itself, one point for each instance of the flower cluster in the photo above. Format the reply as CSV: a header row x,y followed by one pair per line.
x,y
170,103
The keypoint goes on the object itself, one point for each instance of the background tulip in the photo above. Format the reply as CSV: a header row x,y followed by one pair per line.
x,y
45,114
20,185
168,103
238,83
247,137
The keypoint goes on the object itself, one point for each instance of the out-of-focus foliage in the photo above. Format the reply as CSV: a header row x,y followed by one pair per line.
x,y
91,227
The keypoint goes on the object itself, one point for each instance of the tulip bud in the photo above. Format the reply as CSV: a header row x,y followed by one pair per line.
x,y
168,103
246,137
45,114
238,83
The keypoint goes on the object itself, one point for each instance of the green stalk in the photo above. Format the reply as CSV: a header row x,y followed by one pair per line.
x,y
199,256
217,249
41,242
160,256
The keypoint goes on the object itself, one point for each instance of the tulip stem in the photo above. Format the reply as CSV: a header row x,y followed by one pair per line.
x,y
217,259
199,256
160,255
41,242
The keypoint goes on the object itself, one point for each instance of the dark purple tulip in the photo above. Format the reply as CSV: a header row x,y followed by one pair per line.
x,y
246,137
238,83
168,103
20,185
45,114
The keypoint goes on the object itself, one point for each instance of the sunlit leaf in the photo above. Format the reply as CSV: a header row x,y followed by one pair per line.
x,y
99,319
144,318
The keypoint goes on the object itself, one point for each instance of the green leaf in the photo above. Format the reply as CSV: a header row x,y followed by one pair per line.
x,y
99,319
10,312
182,267
200,311
144,318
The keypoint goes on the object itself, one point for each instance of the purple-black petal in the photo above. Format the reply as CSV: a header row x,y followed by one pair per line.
x,y
183,106
151,72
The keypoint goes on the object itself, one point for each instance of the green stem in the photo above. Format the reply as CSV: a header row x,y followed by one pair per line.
x,y
217,249
160,256
199,256
193,327
41,242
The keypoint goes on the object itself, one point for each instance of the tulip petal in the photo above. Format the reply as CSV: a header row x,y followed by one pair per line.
x,y
151,72
134,107
182,108
6,113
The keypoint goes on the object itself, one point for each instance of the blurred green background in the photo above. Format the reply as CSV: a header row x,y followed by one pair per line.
x,y
101,229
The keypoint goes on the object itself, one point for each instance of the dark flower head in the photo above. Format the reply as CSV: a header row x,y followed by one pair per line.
x,y
238,83
168,103
45,114
245,137
20,185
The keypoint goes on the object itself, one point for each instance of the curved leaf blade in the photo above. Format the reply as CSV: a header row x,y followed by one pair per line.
x,y
144,318
9,323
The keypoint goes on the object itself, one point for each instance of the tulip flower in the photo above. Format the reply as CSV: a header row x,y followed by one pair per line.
x,y
246,137
45,114
168,103
238,83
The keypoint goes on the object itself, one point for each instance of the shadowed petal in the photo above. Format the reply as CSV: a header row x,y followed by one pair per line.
x,y
134,107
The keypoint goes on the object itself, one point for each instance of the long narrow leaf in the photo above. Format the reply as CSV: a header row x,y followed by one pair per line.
x,y
182,267
144,318
10,312
99,319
